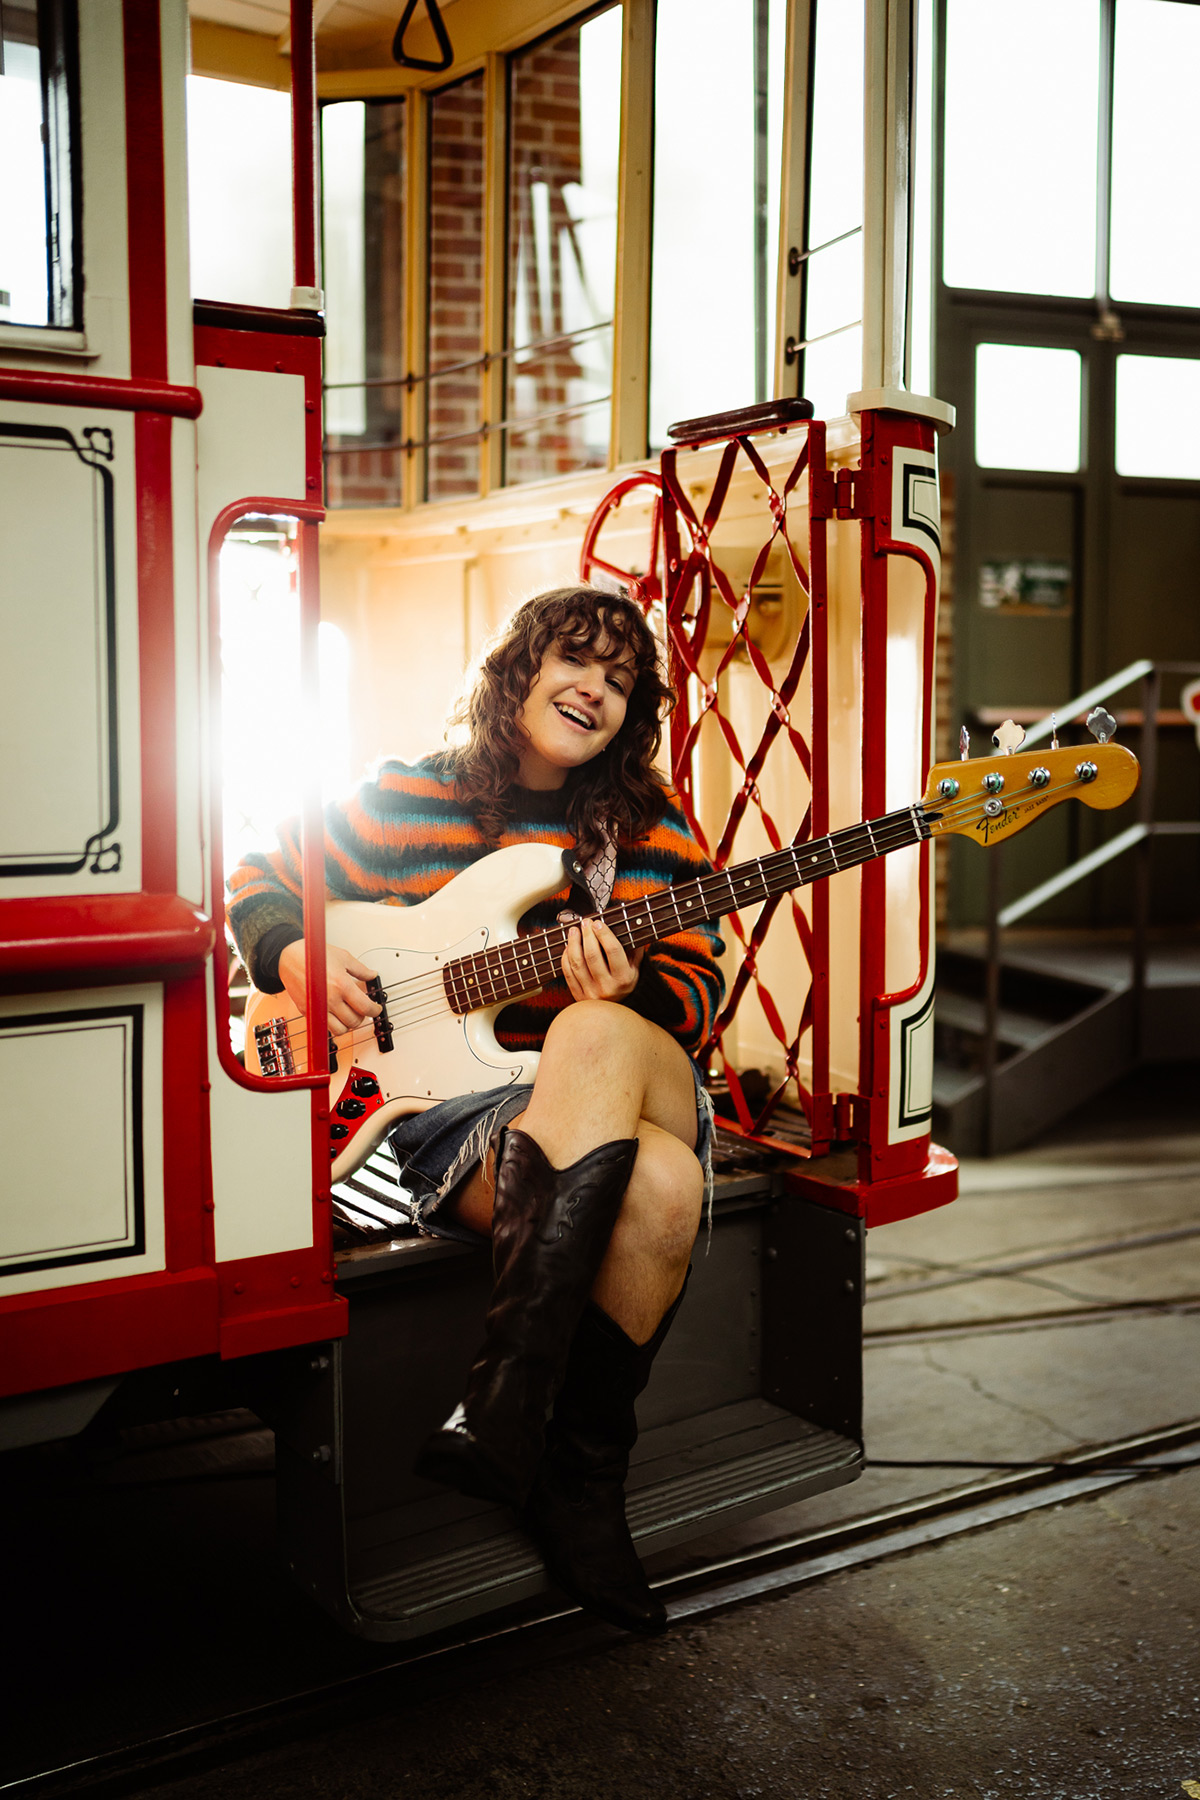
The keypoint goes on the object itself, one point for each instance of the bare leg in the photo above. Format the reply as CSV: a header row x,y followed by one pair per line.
x,y
606,1073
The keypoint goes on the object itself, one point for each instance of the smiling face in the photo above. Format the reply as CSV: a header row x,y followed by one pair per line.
x,y
574,709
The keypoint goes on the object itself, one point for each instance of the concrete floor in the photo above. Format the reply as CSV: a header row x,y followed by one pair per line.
x,y
1052,1655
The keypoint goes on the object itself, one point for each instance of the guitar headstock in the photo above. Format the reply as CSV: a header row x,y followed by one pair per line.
x,y
991,798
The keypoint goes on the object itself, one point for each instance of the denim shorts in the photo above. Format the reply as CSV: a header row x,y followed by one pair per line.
x,y
437,1150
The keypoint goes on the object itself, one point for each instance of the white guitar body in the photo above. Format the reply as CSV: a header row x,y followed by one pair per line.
x,y
438,1053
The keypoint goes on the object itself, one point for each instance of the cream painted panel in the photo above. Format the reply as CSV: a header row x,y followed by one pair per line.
x,y
83,1186
910,1028
249,440
176,57
70,804
261,1165
191,712
105,216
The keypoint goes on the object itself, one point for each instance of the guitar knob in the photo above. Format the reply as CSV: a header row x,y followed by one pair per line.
x,y
1086,771
338,1132
350,1109
1039,778
364,1085
993,783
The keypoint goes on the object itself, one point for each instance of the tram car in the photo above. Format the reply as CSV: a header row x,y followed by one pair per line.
x,y
492,388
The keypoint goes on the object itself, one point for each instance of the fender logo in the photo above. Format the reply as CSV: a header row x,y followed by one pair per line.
x,y
995,827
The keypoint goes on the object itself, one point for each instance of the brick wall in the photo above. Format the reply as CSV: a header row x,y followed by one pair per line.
x,y
456,169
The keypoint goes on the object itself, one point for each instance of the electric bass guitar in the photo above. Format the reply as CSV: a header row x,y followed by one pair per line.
x,y
448,966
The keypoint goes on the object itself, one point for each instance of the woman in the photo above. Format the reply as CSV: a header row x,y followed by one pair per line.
x,y
589,1181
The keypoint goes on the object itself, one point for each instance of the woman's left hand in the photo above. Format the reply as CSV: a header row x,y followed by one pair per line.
x,y
595,965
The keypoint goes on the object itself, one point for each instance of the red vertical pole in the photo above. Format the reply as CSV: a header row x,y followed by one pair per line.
x,y
822,1100
304,145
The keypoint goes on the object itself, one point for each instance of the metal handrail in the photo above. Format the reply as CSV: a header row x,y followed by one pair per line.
x,y
1139,837
483,361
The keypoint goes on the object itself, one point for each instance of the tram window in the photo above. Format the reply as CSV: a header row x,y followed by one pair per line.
x,y
833,283
1156,129
1027,407
39,195
564,137
718,122
1021,146
240,229
1157,401
362,191
455,310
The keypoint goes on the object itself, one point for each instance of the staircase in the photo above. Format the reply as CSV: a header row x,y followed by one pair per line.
x,y
1061,1037
1075,1009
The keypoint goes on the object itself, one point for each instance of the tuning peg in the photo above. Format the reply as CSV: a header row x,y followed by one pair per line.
x,y
1101,724
1008,737
1054,731
964,743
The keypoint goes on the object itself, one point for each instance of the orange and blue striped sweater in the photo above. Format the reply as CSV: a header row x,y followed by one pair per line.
x,y
404,835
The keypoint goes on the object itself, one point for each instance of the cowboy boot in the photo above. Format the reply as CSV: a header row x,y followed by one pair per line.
x,y
576,1511
550,1231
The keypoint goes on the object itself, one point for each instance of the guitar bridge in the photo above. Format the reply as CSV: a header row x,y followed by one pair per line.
x,y
382,1024
274,1048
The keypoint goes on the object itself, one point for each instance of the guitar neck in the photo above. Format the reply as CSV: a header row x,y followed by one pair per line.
x,y
520,965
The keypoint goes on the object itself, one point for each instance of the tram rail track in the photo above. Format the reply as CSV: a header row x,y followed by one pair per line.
x,y
997,1268
996,1493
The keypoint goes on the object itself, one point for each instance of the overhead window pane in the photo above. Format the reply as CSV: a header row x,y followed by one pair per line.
x,y
362,265
1027,407
717,137
1020,145
1156,138
565,127
1158,398
833,275
455,288
39,209
240,230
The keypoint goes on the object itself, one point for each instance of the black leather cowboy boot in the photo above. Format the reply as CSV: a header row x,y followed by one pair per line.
x,y
576,1512
550,1230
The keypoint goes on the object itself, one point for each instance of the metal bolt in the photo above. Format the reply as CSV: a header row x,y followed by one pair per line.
x,y
239,1287
772,1253
322,1454
993,808
1039,778
993,782
849,1285
295,1282
1086,771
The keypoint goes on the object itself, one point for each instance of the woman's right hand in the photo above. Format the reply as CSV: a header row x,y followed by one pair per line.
x,y
345,985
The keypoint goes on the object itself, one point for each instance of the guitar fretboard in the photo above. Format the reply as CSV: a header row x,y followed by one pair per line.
x,y
521,965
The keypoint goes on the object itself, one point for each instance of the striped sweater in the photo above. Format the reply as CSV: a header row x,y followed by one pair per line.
x,y
404,835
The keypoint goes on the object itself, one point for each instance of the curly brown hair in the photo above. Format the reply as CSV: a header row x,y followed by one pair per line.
x,y
619,790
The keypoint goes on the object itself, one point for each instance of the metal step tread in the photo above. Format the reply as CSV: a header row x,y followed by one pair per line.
x,y
774,1455
965,1013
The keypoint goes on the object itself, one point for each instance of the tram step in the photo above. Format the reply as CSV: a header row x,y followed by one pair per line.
x,y
718,1467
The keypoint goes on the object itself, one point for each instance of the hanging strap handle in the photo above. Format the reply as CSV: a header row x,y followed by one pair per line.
x,y
401,56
